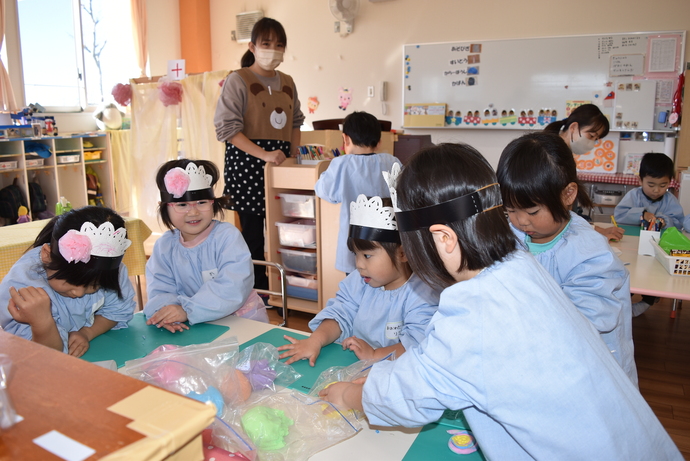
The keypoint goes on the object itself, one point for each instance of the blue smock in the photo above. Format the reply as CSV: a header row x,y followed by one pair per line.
x,y
210,280
596,281
346,178
380,317
531,374
630,209
70,314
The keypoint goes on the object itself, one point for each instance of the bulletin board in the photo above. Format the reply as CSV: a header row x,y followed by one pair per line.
x,y
523,83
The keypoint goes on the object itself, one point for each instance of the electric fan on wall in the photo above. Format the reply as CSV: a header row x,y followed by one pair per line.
x,y
345,12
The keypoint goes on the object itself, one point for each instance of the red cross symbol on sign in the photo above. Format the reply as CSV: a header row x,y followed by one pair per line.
x,y
177,70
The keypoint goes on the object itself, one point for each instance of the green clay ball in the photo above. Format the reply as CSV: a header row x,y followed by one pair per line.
x,y
266,427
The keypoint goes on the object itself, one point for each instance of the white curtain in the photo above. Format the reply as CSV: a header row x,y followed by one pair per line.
x,y
154,141
139,33
7,102
199,99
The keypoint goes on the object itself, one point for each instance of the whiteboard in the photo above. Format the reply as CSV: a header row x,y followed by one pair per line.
x,y
523,83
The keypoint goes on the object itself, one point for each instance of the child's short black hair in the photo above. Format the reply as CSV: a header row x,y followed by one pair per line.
x,y
80,274
534,169
209,167
436,175
390,247
363,128
657,166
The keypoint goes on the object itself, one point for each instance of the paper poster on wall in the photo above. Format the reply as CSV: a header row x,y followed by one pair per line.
x,y
425,115
603,158
634,106
624,65
662,54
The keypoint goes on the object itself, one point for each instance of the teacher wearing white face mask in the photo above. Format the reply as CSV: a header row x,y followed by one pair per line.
x,y
581,130
258,116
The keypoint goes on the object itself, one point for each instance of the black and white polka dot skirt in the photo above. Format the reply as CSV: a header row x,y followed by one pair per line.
x,y
244,176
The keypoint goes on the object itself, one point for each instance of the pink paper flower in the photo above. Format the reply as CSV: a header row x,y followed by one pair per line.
x,y
122,94
170,93
75,246
176,182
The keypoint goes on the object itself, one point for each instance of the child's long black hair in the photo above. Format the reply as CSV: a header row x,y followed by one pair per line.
x,y
80,274
262,30
209,167
534,169
441,173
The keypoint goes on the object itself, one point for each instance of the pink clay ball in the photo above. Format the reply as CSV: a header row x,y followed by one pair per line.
x,y
167,370
235,387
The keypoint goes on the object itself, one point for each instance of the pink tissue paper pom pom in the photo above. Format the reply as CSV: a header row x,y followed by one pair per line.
x,y
170,93
176,182
75,247
122,94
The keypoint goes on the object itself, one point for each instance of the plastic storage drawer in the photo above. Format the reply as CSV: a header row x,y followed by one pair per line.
x,y
298,205
300,233
299,260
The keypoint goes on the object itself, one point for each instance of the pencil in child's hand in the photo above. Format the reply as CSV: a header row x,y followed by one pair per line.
x,y
613,220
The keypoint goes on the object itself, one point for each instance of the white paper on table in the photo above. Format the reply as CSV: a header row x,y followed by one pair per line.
x,y
63,446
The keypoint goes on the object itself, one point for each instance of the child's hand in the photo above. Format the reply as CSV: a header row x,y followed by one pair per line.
x,y
344,395
77,343
611,233
361,348
276,156
30,305
170,318
649,217
300,349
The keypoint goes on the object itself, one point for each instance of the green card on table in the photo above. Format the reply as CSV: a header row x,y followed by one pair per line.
x,y
432,441
138,339
330,356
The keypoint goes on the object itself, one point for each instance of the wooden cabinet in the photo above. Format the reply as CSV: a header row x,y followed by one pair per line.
x,y
290,177
63,173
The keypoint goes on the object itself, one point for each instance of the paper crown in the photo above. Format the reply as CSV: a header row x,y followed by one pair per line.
x,y
391,179
370,220
101,242
187,185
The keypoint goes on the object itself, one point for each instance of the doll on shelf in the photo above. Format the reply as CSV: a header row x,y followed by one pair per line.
x,y
23,215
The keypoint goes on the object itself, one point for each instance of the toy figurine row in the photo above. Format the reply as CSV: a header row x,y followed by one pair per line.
x,y
507,117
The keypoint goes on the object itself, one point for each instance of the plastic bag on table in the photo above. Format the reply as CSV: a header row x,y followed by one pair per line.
x,y
673,239
345,374
8,416
289,425
260,364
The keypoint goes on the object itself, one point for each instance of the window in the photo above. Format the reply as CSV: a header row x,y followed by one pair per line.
x,y
74,51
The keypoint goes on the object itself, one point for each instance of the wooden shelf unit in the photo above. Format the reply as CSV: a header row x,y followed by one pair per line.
x,y
289,177
60,179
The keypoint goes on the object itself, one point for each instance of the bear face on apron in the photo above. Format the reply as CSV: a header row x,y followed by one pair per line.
x,y
267,123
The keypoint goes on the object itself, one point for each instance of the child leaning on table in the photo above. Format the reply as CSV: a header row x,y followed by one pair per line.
x,y
358,172
507,346
651,202
201,269
71,285
380,308
539,184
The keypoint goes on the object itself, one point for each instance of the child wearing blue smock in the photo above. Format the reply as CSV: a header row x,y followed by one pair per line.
x,y
201,269
71,286
358,172
380,308
651,203
507,346
539,185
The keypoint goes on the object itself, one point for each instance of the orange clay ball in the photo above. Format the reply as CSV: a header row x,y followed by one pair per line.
x,y
235,387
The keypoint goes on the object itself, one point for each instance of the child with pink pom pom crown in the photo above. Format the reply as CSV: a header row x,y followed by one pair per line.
x,y
200,270
71,285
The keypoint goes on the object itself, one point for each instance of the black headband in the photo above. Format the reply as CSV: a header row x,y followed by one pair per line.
x,y
453,210
189,196
97,262
374,234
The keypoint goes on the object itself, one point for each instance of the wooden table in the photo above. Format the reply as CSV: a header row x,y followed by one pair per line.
x,y
54,391
17,238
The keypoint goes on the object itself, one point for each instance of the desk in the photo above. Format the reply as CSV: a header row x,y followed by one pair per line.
x,y
648,276
54,391
371,443
15,239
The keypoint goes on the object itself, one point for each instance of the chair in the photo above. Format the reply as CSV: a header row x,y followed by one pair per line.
x,y
283,286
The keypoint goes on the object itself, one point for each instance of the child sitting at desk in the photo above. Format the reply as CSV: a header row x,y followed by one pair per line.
x,y
380,308
651,203
200,270
539,184
358,172
71,286
507,346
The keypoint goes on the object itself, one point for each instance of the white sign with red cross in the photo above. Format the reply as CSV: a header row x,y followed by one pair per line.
x,y
176,69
